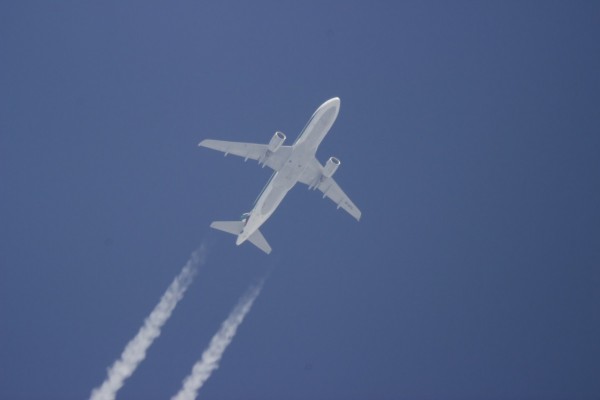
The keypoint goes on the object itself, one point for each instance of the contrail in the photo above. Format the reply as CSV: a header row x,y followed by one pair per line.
x,y
135,351
218,344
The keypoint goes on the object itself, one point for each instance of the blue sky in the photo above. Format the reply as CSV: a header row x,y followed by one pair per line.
x,y
468,135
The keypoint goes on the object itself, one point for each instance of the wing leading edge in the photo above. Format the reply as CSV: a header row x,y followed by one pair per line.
x,y
314,178
312,175
253,151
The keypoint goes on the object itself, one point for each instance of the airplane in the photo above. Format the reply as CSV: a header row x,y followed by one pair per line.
x,y
291,164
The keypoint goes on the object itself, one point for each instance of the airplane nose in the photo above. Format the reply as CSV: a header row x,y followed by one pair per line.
x,y
331,103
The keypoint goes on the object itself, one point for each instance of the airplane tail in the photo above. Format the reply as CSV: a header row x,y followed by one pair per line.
x,y
233,227
236,227
259,241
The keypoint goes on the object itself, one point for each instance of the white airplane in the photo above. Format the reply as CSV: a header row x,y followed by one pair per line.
x,y
292,164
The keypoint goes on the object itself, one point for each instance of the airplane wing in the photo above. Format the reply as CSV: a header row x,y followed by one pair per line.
x,y
258,152
313,177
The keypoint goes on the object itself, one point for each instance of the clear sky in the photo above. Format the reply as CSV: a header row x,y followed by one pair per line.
x,y
469,135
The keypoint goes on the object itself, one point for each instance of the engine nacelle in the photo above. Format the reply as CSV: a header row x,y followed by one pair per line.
x,y
330,167
276,141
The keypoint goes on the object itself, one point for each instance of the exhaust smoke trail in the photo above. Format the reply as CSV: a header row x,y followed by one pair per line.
x,y
135,351
204,367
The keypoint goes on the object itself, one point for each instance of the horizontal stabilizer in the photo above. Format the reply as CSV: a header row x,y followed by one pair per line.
x,y
259,241
236,227
233,227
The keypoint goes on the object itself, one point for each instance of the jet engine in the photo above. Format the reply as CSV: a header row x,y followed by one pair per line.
x,y
276,141
330,167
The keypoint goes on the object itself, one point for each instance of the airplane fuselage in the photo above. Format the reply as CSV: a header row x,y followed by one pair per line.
x,y
303,150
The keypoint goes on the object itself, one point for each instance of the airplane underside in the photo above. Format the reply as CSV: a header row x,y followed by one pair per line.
x,y
292,164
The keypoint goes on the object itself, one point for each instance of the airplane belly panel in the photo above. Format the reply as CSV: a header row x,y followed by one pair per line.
x,y
272,199
291,164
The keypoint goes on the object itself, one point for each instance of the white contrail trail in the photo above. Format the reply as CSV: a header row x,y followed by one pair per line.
x,y
135,351
212,355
